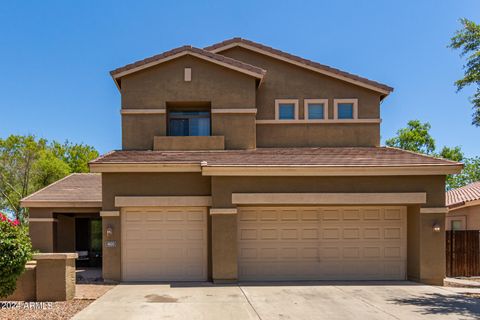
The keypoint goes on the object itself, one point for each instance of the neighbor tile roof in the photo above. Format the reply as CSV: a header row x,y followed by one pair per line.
x,y
300,60
458,197
352,156
220,58
77,187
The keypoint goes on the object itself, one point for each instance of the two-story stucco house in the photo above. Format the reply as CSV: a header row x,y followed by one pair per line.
x,y
243,162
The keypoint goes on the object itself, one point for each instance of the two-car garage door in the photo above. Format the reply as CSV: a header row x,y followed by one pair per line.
x,y
274,243
322,243
164,244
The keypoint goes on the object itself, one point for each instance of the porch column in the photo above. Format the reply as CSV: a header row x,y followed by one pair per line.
x,y
111,236
42,229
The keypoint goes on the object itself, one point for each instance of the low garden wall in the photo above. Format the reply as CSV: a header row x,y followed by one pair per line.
x,y
49,277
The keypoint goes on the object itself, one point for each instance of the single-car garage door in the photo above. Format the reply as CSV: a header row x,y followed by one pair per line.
x,y
164,244
322,243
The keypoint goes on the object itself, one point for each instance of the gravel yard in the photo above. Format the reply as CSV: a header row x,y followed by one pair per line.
x,y
55,311
84,295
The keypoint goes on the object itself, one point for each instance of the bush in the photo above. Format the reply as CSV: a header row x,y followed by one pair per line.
x,y
15,252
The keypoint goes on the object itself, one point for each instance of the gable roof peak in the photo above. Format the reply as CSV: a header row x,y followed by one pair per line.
x,y
302,62
184,50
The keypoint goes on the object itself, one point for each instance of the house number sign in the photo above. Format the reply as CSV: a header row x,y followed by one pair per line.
x,y
110,243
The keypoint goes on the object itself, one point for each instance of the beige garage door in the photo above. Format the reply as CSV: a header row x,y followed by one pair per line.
x,y
322,243
164,244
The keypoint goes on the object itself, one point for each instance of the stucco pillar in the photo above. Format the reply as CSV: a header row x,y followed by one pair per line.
x,y
42,229
55,278
65,233
425,247
224,248
111,259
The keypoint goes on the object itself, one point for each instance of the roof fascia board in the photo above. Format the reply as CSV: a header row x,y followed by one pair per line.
x,y
61,204
325,72
328,170
465,204
144,167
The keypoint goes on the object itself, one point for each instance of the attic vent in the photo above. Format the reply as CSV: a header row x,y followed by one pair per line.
x,y
187,73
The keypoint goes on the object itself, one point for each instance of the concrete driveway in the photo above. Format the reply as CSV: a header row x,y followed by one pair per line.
x,y
310,300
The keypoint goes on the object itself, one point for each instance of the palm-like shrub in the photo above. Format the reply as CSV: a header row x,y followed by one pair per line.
x,y
15,251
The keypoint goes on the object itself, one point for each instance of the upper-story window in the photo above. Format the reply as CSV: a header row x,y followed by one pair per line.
x,y
188,123
345,109
286,109
316,109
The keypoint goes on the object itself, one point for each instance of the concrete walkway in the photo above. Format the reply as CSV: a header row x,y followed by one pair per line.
x,y
462,282
309,300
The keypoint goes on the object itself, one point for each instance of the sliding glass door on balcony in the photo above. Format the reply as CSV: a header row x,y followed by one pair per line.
x,y
189,123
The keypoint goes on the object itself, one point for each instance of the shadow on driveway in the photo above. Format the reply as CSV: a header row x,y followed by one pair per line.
x,y
439,304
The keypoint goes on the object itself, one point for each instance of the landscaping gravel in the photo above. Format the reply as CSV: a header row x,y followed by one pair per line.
x,y
84,295
55,311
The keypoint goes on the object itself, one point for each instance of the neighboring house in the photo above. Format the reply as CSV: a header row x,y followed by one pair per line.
x,y
464,208
243,162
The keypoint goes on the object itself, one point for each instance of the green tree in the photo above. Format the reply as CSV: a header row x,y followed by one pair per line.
x,y
28,164
48,169
469,174
76,156
17,157
415,137
454,154
467,40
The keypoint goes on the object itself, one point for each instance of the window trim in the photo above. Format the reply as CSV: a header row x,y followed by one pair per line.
x,y
286,101
338,101
306,103
450,219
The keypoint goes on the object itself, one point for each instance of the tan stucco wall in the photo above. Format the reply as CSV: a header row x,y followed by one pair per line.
x,y
55,279
65,233
425,248
318,135
213,142
471,214
138,130
239,130
26,287
154,87
287,81
141,184
224,248
222,187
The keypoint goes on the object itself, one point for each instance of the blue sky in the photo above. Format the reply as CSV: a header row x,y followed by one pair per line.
x,y
55,56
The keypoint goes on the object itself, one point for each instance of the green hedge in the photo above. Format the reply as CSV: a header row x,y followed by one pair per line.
x,y
15,252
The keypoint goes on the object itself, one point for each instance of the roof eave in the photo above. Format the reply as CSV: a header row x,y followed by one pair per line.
x,y
275,170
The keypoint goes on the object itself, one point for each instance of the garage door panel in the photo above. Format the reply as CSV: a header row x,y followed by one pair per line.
x,y
331,243
164,244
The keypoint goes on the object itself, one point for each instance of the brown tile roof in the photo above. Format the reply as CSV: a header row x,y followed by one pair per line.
x,y
352,156
458,197
300,60
232,62
77,187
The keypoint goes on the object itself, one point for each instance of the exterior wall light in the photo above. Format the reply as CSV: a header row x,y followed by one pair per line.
x,y
436,227
109,231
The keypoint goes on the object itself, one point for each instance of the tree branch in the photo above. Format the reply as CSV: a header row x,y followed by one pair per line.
x,y
14,208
